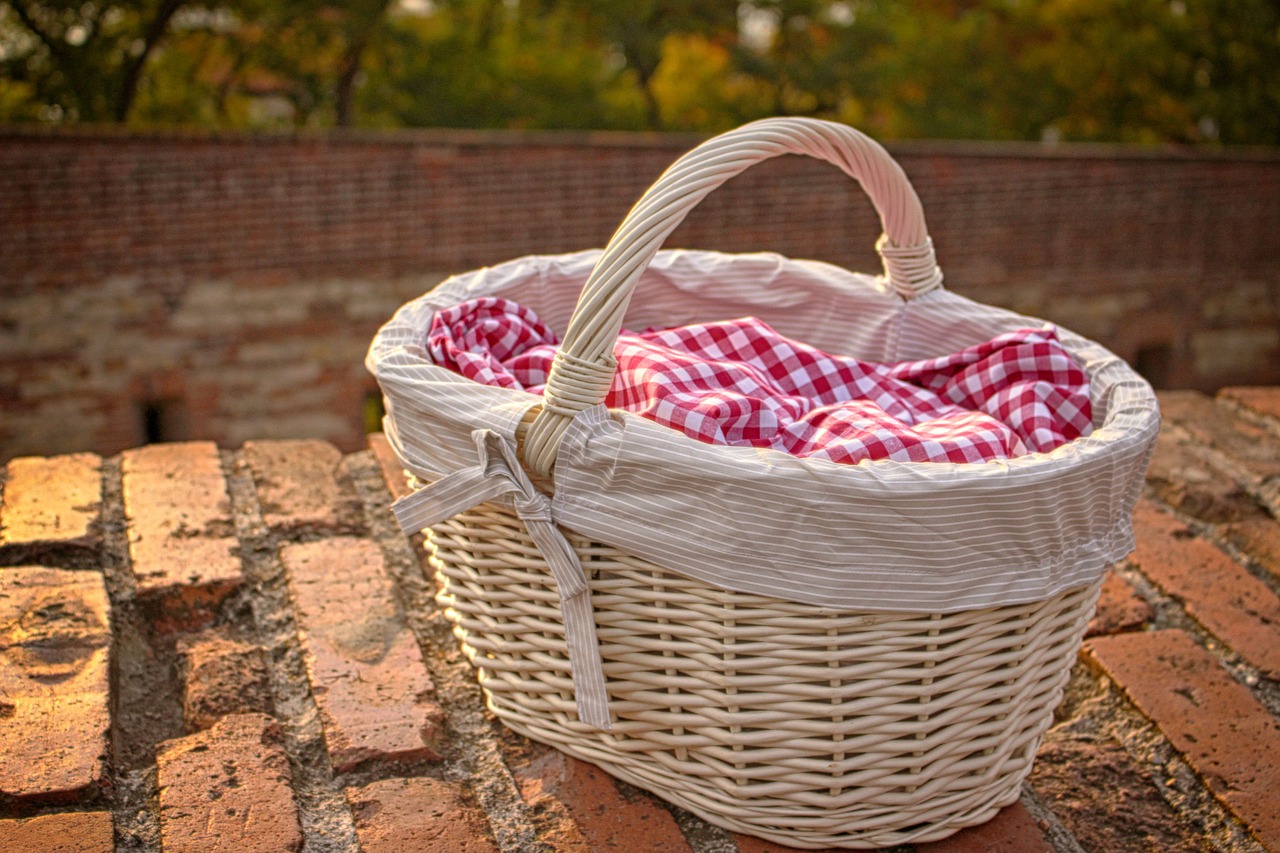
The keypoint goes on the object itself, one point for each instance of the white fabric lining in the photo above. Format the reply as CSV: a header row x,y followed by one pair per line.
x,y
880,536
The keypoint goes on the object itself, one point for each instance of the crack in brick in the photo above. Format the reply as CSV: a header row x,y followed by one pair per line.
x,y
326,821
145,706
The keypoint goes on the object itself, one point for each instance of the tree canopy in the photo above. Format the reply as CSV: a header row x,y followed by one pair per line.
x,y
1182,71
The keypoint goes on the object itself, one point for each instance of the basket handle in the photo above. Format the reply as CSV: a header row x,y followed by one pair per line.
x,y
584,367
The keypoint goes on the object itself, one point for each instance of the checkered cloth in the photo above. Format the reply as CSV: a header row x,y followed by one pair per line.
x,y
740,383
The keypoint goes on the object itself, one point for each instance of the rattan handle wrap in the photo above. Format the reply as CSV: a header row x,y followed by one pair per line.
x,y
581,375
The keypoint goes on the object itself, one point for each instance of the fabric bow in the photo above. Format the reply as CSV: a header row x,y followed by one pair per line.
x,y
500,473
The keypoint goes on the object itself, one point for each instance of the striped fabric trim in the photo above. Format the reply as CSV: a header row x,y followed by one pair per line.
x,y
498,473
881,536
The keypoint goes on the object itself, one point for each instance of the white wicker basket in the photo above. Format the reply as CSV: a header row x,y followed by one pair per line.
x,y
800,720
782,720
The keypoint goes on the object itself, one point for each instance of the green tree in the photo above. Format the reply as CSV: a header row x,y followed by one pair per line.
x,y
247,62
1150,70
697,86
637,31
497,65
1119,70
1187,71
80,61
305,56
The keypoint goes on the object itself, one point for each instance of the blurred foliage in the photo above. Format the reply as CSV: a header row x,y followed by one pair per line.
x,y
1183,71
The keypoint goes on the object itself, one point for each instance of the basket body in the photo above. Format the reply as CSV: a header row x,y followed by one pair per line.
x,y
801,725
821,655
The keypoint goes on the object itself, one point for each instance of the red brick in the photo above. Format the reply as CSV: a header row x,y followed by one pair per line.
x,y
182,542
366,670
1253,448
226,790
1012,830
1230,739
1259,538
398,815
1193,486
53,684
74,832
301,487
1120,608
1217,591
579,808
1265,400
51,506
389,464
221,677
1105,799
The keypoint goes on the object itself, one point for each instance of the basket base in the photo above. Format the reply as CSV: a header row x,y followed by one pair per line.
x,y
800,725
778,830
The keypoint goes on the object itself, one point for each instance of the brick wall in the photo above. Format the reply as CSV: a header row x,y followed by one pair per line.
x,y
225,287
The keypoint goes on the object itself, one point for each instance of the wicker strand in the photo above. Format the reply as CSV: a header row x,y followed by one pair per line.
x,y
806,727
910,270
579,383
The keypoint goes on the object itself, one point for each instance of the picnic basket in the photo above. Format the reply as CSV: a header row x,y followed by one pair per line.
x,y
820,655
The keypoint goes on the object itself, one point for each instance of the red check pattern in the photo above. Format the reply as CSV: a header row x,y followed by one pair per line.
x,y
740,383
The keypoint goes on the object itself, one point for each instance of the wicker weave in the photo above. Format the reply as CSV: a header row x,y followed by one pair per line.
x,y
800,723
803,726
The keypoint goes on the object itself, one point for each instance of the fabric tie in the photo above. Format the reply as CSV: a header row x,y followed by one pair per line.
x,y
499,473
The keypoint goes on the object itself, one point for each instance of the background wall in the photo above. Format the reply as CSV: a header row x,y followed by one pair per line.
x,y
225,287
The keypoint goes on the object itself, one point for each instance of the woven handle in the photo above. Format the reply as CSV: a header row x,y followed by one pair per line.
x,y
584,366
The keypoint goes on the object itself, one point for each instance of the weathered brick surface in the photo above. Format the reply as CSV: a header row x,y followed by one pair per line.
x,y
1252,451
73,832
221,677
227,790
1185,481
1264,400
1104,798
1181,477
1259,539
230,787
392,472
1120,608
182,543
54,643
301,487
581,808
1228,737
366,671
399,815
1220,593
50,509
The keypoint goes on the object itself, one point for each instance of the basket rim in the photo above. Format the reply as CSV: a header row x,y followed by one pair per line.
x,y
521,402
882,536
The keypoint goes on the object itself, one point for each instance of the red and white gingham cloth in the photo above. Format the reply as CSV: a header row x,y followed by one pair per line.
x,y
740,383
